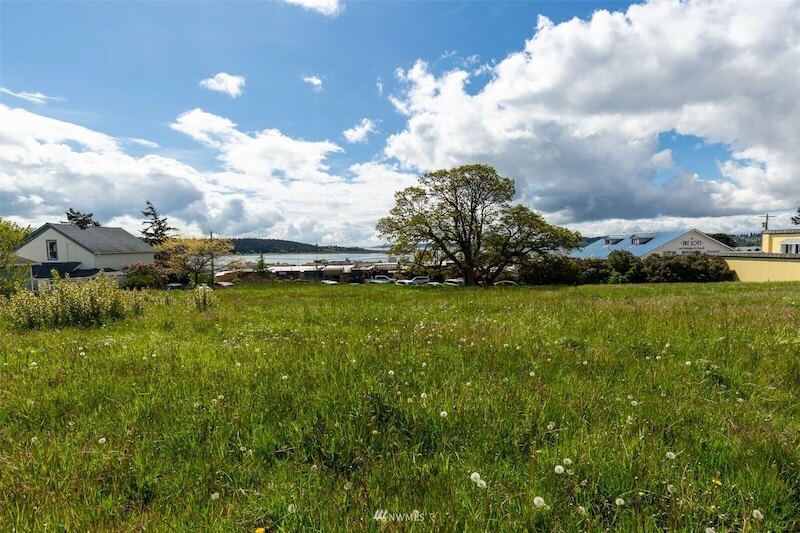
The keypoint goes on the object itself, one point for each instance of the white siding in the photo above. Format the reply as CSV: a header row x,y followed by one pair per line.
x,y
693,241
118,261
36,250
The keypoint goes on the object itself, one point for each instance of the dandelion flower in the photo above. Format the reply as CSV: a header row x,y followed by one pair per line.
x,y
215,496
758,515
634,403
539,502
688,363
559,469
475,477
481,484
671,455
469,384
391,372
443,414
567,461
34,364
375,431
424,364
551,426
423,396
221,397
101,440
619,502
238,365
260,530
582,510
531,374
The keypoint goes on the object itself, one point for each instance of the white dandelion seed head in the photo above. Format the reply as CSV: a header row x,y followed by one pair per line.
x,y
559,469
551,426
284,377
101,440
221,397
391,372
238,365
671,489
481,484
424,364
215,496
688,363
423,396
582,510
758,515
469,384
475,477
443,414
711,530
567,461
539,502
634,403
531,374
619,502
671,455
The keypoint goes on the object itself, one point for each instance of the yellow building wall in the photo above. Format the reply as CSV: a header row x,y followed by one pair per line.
x,y
771,242
764,269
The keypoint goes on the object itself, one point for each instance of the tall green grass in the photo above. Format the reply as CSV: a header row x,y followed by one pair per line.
x,y
293,407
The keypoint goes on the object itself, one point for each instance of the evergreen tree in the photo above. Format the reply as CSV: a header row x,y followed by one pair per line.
x,y
77,218
796,218
261,266
156,229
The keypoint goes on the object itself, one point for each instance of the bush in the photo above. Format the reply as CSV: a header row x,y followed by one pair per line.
x,y
144,276
624,267
67,303
552,270
593,271
694,267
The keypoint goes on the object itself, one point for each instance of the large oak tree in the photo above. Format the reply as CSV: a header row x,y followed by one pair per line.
x,y
465,215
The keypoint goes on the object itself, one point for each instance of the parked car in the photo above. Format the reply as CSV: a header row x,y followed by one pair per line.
x,y
175,286
223,285
404,282
382,280
505,282
434,284
420,280
329,282
454,282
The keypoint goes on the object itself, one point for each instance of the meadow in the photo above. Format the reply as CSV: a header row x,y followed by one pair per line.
x,y
303,407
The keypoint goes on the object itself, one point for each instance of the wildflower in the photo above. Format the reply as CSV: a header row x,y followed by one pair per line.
x,y
671,455
391,372
758,515
671,489
410,399
215,496
582,510
481,484
260,530
716,482
634,403
102,440
619,502
238,365
469,384
424,364
292,508
559,469
531,374
242,449
443,414
567,461
474,477
375,432
34,364
423,396
539,502
220,397
284,377
83,354
688,363
551,426
711,530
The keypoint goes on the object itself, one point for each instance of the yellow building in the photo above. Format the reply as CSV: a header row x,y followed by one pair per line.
x,y
778,260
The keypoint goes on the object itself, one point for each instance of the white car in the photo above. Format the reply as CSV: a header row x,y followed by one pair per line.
x,y
382,280
329,282
404,282
454,282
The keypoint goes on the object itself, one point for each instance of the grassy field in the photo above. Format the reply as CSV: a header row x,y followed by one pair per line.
x,y
293,407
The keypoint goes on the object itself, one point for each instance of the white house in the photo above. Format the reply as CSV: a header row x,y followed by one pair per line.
x,y
82,252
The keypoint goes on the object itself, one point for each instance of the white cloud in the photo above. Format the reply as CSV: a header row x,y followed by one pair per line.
x,y
329,8
141,142
34,98
575,115
359,132
314,81
379,87
223,82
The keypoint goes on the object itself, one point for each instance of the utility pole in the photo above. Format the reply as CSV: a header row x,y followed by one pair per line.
x,y
765,224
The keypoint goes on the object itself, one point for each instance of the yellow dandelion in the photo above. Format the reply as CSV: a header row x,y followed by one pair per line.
x,y
716,482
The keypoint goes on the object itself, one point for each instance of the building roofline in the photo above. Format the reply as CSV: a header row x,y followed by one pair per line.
x,y
781,231
55,228
760,255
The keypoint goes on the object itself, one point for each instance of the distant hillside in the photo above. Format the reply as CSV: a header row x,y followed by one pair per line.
x,y
277,246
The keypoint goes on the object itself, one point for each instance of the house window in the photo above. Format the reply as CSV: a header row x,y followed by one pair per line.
x,y
52,251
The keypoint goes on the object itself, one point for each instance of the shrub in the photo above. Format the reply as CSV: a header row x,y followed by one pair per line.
x,y
624,267
144,276
694,267
593,271
552,270
67,303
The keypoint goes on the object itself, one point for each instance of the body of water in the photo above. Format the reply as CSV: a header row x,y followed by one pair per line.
x,y
301,259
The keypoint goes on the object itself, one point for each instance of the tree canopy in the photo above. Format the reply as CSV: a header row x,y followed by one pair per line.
x,y
82,220
465,215
796,218
12,274
191,256
156,228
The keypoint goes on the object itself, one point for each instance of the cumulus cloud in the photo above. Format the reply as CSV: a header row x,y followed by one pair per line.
x,y
268,184
223,82
575,115
329,8
359,132
34,98
314,81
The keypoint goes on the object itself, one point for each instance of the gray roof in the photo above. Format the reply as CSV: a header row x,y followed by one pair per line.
x,y
98,239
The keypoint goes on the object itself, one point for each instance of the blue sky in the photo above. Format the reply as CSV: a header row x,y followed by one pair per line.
x,y
130,69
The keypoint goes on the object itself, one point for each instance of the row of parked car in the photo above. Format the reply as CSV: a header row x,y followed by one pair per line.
x,y
421,280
